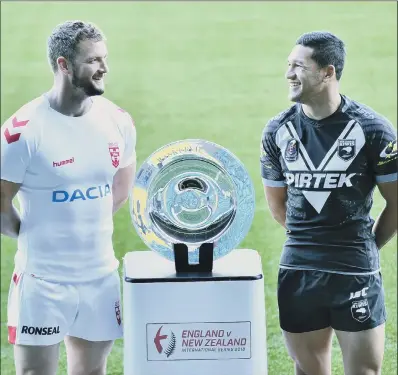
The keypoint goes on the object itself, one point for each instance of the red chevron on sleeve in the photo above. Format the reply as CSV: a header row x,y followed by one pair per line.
x,y
10,138
18,124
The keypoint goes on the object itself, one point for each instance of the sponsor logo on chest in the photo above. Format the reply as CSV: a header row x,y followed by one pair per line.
x,y
63,162
83,194
317,183
319,180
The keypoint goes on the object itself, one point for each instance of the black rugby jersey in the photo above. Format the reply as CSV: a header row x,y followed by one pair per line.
x,y
330,168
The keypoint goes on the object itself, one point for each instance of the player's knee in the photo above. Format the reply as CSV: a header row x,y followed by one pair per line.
x,y
310,367
82,369
35,368
30,360
28,369
87,365
312,363
302,354
295,353
365,364
99,371
366,369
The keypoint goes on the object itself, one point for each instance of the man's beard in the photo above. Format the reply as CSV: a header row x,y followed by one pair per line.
x,y
87,86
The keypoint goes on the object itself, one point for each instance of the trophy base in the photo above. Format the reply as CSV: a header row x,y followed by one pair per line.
x,y
192,322
182,264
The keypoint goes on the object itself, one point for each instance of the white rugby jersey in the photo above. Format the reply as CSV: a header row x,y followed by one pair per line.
x,y
66,167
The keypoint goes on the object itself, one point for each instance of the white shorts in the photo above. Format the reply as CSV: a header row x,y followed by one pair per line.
x,y
43,313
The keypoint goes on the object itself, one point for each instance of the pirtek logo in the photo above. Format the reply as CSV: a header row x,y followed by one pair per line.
x,y
63,162
40,330
308,180
317,183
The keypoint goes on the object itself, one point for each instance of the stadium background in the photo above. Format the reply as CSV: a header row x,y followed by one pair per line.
x,y
212,70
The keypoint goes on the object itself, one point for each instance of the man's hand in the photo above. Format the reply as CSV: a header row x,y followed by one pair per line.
x,y
10,220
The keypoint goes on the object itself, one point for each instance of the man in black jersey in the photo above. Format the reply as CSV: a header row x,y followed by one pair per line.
x,y
320,162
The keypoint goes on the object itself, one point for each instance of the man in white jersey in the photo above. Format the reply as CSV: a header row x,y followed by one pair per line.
x,y
69,156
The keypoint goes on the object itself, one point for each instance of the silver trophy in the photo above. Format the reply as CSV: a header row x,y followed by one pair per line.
x,y
192,192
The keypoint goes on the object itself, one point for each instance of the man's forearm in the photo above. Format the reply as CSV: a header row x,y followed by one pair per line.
x,y
385,226
280,216
118,203
10,222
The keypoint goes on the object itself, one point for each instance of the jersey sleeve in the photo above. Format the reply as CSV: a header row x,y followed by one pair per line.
x,y
17,148
130,138
271,169
382,148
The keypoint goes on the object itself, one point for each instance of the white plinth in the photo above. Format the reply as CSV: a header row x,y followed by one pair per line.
x,y
194,325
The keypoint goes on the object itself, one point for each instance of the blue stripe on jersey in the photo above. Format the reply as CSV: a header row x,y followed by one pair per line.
x,y
272,183
387,178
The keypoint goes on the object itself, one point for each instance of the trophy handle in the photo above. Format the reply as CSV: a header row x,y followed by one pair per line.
x,y
182,264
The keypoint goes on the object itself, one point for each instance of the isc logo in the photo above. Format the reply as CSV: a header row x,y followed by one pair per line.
x,y
359,293
93,192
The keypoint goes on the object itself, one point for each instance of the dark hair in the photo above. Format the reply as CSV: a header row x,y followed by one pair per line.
x,y
65,38
328,49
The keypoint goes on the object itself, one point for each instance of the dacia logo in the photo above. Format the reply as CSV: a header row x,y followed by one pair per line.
x,y
308,180
94,192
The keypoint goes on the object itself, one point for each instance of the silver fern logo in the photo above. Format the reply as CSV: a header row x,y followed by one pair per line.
x,y
171,343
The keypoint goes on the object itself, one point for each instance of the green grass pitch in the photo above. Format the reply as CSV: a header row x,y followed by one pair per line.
x,y
211,70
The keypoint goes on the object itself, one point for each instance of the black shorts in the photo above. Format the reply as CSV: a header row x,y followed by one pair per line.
x,y
312,300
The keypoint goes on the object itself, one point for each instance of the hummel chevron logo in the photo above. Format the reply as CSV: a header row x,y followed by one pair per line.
x,y
10,138
18,124
317,183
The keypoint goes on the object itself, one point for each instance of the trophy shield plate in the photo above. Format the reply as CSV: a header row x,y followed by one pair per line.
x,y
192,192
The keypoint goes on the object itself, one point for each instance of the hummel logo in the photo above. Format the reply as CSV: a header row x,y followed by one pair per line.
x,y
63,162
302,172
